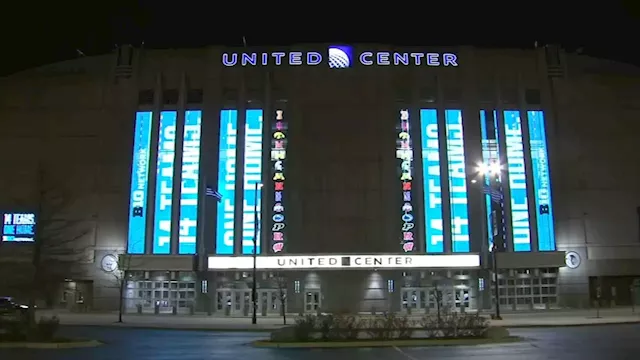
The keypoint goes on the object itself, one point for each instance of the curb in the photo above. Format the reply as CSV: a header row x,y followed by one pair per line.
x,y
150,327
610,323
65,345
383,344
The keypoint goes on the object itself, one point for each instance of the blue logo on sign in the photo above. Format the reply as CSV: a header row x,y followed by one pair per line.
x,y
340,57
278,218
407,217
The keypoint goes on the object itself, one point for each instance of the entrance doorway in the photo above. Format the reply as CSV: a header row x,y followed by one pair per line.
x,y
237,302
312,301
417,299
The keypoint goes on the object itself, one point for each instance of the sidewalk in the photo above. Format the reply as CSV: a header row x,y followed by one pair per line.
x,y
548,318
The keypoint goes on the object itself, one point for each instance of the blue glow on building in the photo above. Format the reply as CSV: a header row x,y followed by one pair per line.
x,y
541,181
227,153
431,178
252,176
190,183
517,181
490,153
139,183
457,181
164,182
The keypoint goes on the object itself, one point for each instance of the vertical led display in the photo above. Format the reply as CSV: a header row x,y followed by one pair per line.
x,y
541,180
457,181
431,177
404,154
278,164
227,154
252,177
517,181
190,183
490,154
139,183
164,182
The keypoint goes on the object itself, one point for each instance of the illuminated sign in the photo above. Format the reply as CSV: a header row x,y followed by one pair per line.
x,y
404,153
541,181
343,262
227,154
190,183
431,178
490,155
278,166
164,182
19,227
252,175
457,181
338,57
517,181
139,183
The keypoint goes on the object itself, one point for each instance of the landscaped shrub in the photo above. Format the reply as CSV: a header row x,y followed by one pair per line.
x,y
326,327
382,327
305,326
454,325
404,327
347,327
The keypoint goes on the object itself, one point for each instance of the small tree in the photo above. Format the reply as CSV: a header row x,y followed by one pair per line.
x,y
281,283
437,295
120,280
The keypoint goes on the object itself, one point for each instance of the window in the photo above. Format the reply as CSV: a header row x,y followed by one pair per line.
x,y
145,97
170,97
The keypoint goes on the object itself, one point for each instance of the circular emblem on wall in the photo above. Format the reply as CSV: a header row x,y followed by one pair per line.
x,y
109,263
572,259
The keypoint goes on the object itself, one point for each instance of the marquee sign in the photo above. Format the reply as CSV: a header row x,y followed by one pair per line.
x,y
301,262
339,56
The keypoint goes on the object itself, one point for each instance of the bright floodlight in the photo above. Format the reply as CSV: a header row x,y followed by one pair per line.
x,y
491,169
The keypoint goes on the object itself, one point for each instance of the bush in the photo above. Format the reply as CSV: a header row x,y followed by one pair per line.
x,y
454,325
347,326
304,327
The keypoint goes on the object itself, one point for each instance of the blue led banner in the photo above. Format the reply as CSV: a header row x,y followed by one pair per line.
x,y
18,227
139,183
457,181
252,176
517,181
404,153
279,163
227,154
541,181
190,183
164,183
431,177
490,154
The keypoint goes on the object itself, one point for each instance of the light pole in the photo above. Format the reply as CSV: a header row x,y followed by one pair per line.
x,y
492,173
256,230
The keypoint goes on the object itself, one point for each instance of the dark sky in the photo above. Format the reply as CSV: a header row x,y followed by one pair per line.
x,y
37,33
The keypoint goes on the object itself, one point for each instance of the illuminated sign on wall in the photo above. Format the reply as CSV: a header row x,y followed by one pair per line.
x,y
431,177
490,155
190,183
517,181
278,166
252,176
227,154
18,227
340,56
404,153
541,181
457,181
344,262
139,183
164,182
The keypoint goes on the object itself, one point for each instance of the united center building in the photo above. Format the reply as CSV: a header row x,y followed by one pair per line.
x,y
370,176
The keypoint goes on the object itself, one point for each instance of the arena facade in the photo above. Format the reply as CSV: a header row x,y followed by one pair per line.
x,y
374,178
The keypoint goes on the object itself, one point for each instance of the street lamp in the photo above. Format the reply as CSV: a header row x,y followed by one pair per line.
x,y
256,230
492,172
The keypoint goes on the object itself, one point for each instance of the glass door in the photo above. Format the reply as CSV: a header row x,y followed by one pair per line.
x,y
312,301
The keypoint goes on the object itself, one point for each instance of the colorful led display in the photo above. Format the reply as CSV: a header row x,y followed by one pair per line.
x,y
431,178
164,182
227,154
252,180
18,227
278,167
517,181
457,181
541,180
404,154
139,183
190,183
490,154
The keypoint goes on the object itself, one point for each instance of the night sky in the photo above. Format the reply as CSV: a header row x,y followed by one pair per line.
x,y
38,33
